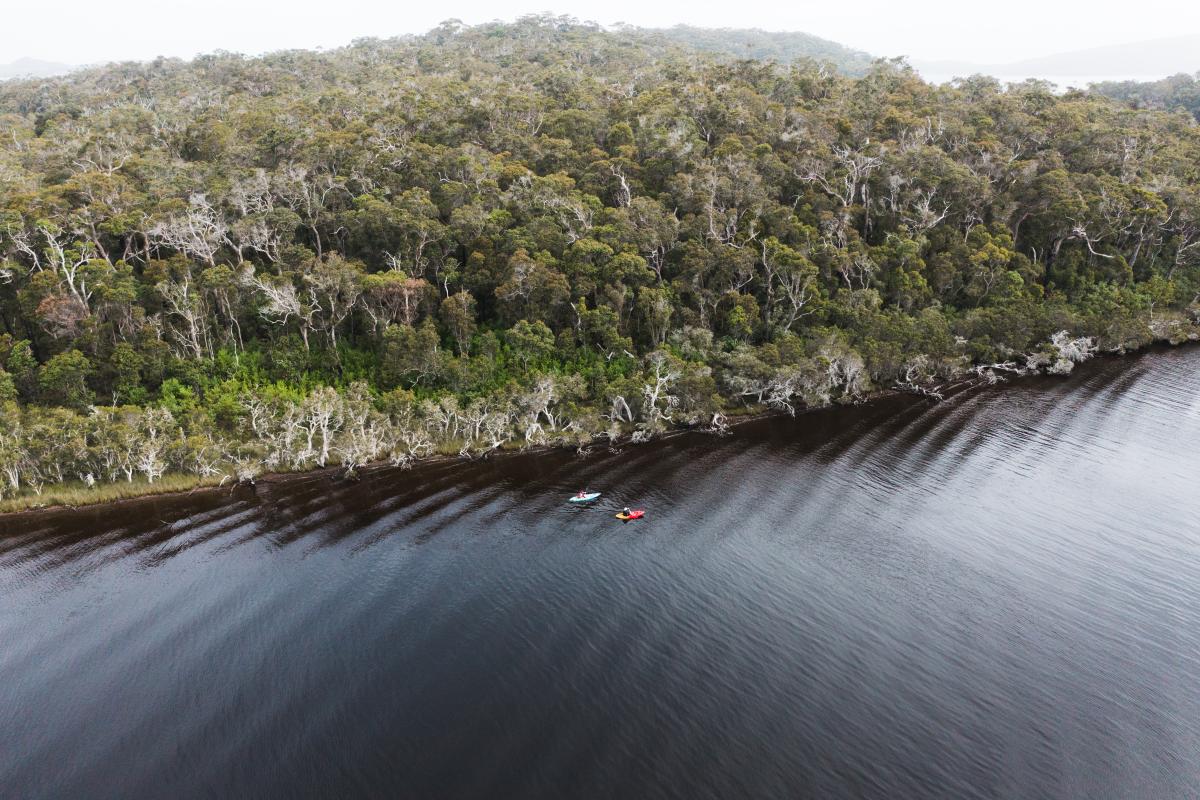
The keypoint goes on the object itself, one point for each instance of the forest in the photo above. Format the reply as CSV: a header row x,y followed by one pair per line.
x,y
546,233
1174,92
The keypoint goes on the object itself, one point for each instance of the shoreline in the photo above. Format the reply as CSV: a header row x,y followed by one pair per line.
x,y
180,485
170,486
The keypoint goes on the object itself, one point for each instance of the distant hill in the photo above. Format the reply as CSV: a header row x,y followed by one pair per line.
x,y
33,68
750,43
1144,60
1177,91
1158,57
753,43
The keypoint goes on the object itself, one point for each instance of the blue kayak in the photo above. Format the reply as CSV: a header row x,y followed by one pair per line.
x,y
587,498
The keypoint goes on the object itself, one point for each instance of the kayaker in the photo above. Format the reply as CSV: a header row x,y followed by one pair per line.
x,y
625,511
582,494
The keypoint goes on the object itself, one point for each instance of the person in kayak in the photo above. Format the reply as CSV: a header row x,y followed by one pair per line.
x,y
626,511
582,494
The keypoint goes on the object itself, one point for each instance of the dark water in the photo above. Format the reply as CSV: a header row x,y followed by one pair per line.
x,y
998,596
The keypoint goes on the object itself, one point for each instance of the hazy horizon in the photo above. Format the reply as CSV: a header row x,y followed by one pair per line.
x,y
934,30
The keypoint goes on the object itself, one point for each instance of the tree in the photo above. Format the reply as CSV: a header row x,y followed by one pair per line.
x,y
22,365
533,289
63,380
12,448
322,414
410,355
989,261
392,297
530,342
185,304
657,307
282,302
116,440
663,370
8,388
198,230
334,286
458,315
156,428
366,434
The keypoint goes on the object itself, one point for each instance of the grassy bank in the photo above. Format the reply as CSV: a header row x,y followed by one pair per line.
x,y
76,494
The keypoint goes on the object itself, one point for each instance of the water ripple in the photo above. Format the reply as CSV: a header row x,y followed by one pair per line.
x,y
994,596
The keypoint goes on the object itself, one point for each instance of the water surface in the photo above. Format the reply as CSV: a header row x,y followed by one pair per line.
x,y
996,596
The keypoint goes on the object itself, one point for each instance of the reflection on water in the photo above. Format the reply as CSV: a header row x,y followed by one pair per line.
x,y
996,596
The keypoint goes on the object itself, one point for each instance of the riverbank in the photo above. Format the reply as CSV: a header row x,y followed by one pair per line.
x,y
75,495
129,494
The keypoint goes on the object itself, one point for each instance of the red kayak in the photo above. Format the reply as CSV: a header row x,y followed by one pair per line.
x,y
637,513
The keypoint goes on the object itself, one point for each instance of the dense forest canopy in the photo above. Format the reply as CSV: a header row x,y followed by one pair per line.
x,y
545,232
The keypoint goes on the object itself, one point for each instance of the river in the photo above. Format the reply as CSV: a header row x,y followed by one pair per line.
x,y
997,597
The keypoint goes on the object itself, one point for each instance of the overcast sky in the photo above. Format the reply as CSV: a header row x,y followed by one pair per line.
x,y
89,31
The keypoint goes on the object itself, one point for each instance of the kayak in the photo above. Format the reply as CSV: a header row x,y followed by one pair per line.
x,y
587,498
637,513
